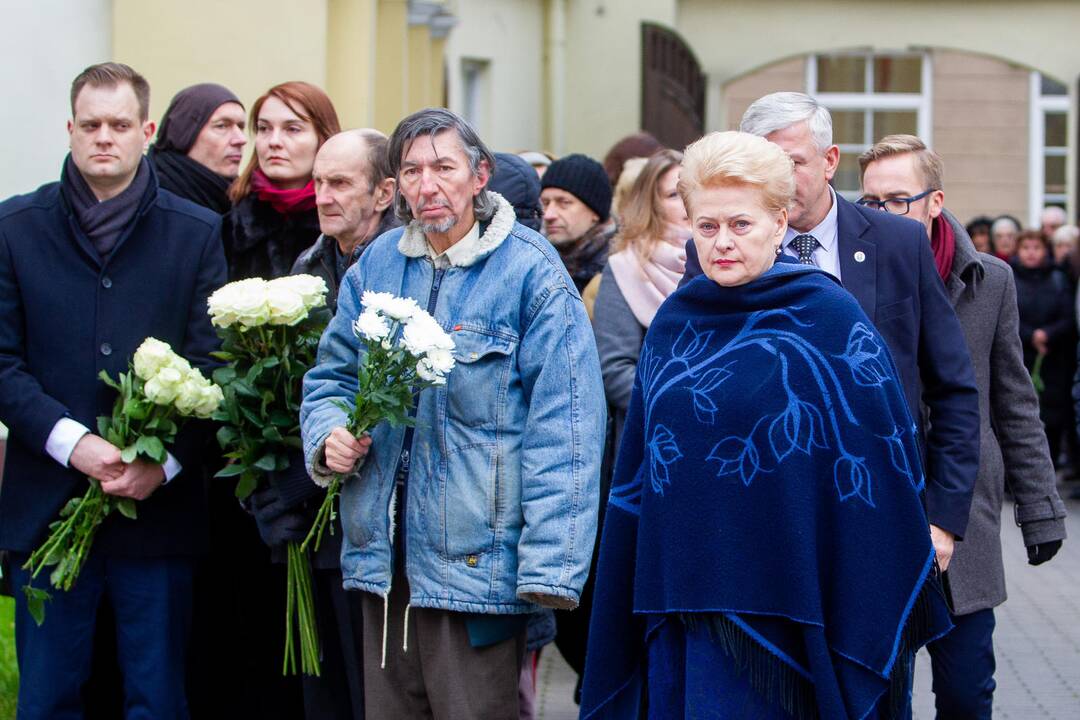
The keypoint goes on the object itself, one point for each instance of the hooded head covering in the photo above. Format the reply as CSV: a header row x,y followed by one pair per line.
x,y
516,181
188,112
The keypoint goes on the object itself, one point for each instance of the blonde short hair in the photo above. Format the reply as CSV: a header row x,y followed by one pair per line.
x,y
734,158
926,160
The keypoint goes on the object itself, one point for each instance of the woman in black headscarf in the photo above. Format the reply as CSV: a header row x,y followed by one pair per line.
x,y
200,144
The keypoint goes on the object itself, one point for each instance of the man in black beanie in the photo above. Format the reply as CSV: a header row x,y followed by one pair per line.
x,y
200,144
576,196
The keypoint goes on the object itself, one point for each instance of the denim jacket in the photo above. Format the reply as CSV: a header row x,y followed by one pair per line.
x,y
503,485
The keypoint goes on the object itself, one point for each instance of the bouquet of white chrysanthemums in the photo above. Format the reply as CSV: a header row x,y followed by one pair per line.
x,y
160,388
270,332
390,373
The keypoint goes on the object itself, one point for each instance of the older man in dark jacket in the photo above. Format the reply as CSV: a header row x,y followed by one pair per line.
x,y
90,267
902,176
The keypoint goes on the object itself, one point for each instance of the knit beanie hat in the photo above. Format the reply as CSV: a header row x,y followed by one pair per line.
x,y
584,178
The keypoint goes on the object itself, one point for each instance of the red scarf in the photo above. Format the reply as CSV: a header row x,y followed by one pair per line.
x,y
285,202
943,243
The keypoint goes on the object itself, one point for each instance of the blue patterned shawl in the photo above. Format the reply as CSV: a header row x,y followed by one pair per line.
x,y
768,483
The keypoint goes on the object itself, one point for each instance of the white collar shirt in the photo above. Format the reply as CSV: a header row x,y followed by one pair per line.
x,y
827,254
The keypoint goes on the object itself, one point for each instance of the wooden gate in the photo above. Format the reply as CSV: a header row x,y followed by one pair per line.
x,y
672,88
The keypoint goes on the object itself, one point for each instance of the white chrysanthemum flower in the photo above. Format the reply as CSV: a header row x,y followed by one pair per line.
x,y
422,333
371,325
442,361
151,356
377,301
425,371
286,305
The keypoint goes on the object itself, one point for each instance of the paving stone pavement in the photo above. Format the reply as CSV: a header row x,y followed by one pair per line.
x,y
1037,640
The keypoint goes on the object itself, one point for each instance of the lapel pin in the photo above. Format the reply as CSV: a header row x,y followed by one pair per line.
x,y
860,256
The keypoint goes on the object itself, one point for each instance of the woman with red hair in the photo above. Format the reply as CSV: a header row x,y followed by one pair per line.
x,y
273,218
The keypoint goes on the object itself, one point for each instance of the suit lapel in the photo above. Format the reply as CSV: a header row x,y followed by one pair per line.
x,y
859,277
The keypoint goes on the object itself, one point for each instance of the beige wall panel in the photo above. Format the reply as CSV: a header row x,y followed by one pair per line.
x,y
603,70
392,52
350,60
246,45
508,35
981,131
419,68
741,92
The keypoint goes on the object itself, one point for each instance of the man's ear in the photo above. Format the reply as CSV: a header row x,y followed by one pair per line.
x,y
384,194
832,160
148,132
937,203
483,174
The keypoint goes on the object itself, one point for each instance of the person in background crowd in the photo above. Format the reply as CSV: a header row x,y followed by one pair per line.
x,y
648,258
1066,257
641,144
1013,448
576,197
979,232
886,263
89,268
1003,235
1048,333
631,170
447,581
538,160
1050,219
765,554
200,144
353,190
519,185
273,218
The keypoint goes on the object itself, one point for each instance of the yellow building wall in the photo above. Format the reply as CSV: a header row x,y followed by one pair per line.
x,y
351,60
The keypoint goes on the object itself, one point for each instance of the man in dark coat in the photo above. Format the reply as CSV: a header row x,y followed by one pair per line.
x,y
885,262
200,144
896,171
576,197
90,267
353,190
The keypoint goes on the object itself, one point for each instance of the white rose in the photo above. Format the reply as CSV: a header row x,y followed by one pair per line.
x,y
422,333
189,393
248,302
151,356
163,388
311,288
220,306
286,305
210,398
371,326
442,361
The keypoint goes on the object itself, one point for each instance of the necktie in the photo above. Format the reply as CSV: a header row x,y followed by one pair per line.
x,y
805,245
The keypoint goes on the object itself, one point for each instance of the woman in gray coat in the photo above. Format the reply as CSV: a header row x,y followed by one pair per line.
x,y
901,175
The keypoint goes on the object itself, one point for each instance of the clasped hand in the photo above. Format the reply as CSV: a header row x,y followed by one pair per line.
x,y
97,458
343,450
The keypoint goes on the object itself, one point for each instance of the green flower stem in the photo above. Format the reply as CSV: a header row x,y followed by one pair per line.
x,y
300,603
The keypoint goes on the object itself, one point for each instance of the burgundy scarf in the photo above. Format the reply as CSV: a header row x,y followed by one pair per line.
x,y
285,202
943,243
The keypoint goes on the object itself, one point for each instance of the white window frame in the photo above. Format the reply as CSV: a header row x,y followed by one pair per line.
x,y
868,102
1039,106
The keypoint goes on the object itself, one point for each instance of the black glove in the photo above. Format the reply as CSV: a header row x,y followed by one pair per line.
x,y
278,524
1038,554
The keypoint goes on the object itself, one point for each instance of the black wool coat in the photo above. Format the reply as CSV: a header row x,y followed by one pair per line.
x,y
66,313
261,242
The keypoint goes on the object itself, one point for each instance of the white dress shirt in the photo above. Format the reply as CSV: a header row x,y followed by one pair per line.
x,y
827,255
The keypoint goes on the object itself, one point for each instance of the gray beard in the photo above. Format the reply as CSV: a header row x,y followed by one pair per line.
x,y
439,227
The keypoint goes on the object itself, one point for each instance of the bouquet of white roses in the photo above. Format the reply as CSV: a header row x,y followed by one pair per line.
x,y
390,374
270,333
159,387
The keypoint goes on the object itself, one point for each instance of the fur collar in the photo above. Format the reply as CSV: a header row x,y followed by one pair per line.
x,y
413,243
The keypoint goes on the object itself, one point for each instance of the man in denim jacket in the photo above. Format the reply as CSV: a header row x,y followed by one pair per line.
x,y
456,529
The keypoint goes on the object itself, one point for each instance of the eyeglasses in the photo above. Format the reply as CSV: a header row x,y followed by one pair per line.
x,y
896,205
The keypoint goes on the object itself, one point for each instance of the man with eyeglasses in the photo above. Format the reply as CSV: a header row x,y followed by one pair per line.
x,y
884,261
901,176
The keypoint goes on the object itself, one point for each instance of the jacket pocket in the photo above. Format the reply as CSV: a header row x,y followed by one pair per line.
x,y
477,387
470,495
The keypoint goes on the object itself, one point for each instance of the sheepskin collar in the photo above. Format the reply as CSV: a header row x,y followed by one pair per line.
x,y
414,244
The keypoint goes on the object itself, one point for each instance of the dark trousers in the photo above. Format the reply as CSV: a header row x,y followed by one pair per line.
x,y
963,667
338,693
151,599
442,676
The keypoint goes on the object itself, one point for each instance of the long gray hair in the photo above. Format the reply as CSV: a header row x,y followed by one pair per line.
x,y
429,123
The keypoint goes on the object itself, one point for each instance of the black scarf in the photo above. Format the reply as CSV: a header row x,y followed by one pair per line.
x,y
104,221
191,180
585,258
